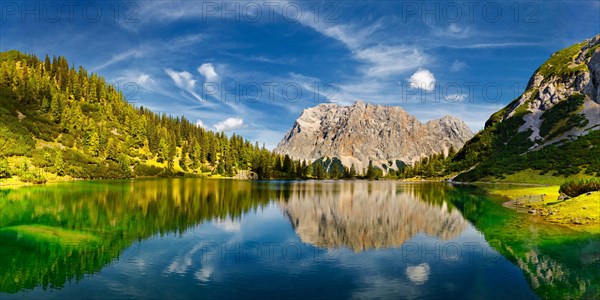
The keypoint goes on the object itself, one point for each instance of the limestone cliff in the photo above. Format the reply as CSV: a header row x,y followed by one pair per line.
x,y
363,132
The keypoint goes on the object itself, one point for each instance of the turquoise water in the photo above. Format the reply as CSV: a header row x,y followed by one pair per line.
x,y
195,238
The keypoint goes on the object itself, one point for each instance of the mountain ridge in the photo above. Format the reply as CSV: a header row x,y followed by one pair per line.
x,y
361,133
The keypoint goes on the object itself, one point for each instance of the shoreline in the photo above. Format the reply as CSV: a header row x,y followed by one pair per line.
x,y
12,183
17,183
581,213
540,200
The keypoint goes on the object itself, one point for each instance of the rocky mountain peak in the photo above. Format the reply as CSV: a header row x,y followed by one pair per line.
x,y
566,75
363,132
360,103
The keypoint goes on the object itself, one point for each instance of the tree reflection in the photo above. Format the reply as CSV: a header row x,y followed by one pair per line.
x,y
558,263
41,227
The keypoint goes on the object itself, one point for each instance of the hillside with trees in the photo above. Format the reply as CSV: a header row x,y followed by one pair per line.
x,y
60,122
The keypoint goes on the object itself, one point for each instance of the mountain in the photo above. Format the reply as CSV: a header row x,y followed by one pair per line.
x,y
57,121
552,128
367,215
357,134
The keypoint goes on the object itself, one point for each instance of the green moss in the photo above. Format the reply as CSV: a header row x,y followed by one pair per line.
x,y
559,63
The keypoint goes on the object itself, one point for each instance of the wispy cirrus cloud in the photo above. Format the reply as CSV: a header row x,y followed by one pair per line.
x,y
452,31
388,60
493,45
117,58
184,81
457,66
380,59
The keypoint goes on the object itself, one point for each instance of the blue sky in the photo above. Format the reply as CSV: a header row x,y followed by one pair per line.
x,y
208,60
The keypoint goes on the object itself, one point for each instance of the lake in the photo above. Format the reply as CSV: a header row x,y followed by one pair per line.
x,y
201,238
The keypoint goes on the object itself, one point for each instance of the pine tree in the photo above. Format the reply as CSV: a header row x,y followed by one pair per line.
x,y
335,171
287,166
4,168
352,171
59,164
305,172
112,149
451,151
56,108
94,144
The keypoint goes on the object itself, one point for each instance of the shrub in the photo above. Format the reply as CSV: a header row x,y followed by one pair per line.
x,y
574,188
147,170
4,168
33,178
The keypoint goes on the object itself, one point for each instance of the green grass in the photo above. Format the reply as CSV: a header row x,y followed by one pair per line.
x,y
580,213
513,192
583,209
559,63
534,177
35,233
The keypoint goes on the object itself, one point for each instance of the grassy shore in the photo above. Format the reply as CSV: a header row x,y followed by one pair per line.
x,y
581,213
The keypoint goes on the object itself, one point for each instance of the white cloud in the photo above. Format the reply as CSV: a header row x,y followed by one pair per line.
x,y
184,41
418,274
493,45
208,71
457,66
132,53
146,82
453,31
383,60
185,81
455,97
143,79
423,79
200,124
229,124
387,60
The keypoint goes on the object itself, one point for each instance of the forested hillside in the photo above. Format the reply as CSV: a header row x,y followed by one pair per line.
x,y
551,130
58,121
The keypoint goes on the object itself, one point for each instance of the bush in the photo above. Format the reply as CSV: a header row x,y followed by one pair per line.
x,y
33,178
574,188
4,168
147,170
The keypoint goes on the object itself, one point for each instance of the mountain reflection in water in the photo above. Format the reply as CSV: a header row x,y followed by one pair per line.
x,y
365,215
